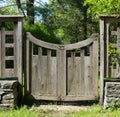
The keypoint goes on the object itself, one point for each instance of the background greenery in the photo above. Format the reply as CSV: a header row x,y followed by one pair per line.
x,y
60,21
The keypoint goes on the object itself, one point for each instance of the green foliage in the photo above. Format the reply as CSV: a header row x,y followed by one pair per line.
x,y
9,8
67,19
114,54
103,7
40,32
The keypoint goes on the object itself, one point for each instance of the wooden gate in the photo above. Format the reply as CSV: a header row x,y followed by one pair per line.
x,y
62,72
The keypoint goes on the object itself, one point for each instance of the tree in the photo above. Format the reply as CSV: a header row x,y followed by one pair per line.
x,y
30,11
67,19
103,7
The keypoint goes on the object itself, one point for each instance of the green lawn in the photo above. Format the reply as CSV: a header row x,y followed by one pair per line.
x,y
93,111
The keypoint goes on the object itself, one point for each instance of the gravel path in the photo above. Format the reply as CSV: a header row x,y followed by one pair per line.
x,y
61,108
58,110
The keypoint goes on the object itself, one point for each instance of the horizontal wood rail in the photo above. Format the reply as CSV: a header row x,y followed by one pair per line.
x,y
81,44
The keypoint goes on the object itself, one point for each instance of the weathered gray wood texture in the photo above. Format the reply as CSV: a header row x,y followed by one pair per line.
x,y
14,59
106,33
69,75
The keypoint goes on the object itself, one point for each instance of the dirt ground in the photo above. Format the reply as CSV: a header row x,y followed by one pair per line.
x,y
58,110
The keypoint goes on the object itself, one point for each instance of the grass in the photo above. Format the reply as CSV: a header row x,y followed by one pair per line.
x,y
93,111
19,112
97,111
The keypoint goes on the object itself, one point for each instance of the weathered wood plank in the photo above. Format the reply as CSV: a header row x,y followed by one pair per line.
x,y
9,73
107,41
9,45
102,27
9,32
27,64
34,77
41,85
82,82
49,71
79,44
78,75
16,55
88,82
0,54
11,18
80,98
19,51
71,74
56,46
9,57
95,67
3,49
41,43
61,72
53,82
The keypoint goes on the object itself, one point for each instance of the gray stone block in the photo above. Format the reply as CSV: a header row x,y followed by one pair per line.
x,y
8,93
111,94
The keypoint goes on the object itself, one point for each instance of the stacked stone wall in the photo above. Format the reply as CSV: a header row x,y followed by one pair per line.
x,y
8,93
111,94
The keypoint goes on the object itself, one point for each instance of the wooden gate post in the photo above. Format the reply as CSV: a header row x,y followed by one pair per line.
x,y
102,35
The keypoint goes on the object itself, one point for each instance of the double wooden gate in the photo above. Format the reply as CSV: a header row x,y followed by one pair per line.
x,y
62,72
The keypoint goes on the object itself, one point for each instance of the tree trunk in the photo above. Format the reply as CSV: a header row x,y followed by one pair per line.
x,y
85,23
30,11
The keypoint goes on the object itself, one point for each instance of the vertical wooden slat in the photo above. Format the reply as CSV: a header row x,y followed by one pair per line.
x,y
16,55
49,72
118,45
33,66
3,49
61,72
95,67
39,71
71,74
118,37
105,49
88,82
53,80
0,53
78,72
19,51
107,44
102,26
27,64
91,66
30,65
82,86
73,80
34,79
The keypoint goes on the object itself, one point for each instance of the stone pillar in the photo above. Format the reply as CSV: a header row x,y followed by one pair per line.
x,y
8,93
112,94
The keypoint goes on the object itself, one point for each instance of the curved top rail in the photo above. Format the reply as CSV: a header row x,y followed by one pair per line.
x,y
58,46
82,43
41,43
